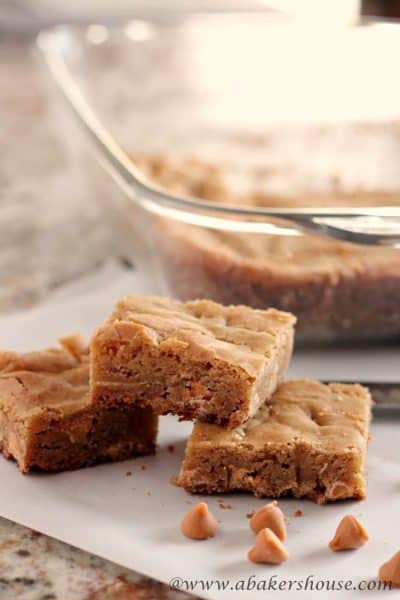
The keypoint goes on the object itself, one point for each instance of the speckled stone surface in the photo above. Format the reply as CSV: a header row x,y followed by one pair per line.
x,y
36,567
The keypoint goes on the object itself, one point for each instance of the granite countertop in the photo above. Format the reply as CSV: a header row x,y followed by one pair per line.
x,y
36,567
35,236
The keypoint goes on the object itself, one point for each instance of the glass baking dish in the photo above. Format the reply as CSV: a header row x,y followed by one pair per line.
x,y
247,151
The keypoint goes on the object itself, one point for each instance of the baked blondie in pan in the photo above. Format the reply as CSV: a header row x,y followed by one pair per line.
x,y
337,290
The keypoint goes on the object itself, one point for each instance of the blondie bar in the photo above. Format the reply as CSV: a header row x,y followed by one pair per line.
x,y
308,441
197,359
47,421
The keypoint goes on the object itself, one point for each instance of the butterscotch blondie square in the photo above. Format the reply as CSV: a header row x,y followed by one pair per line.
x,y
196,359
309,440
47,421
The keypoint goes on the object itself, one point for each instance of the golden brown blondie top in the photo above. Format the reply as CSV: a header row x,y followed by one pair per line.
x,y
234,334
334,417
287,256
48,379
207,180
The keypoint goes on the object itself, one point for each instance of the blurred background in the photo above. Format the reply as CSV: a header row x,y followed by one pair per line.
x,y
47,212
54,232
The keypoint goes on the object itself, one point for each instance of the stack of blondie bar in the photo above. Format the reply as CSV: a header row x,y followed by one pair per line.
x,y
222,366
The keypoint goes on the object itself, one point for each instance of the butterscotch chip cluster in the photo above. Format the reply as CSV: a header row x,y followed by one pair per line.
x,y
269,525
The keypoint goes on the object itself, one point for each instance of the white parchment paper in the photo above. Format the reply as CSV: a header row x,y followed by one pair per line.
x,y
134,520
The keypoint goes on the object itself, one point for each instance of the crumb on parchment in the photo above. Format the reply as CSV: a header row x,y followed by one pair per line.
x,y
224,505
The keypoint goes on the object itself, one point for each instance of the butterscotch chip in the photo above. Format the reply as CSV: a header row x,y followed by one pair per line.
x,y
308,440
269,516
390,570
199,523
268,549
350,534
196,359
